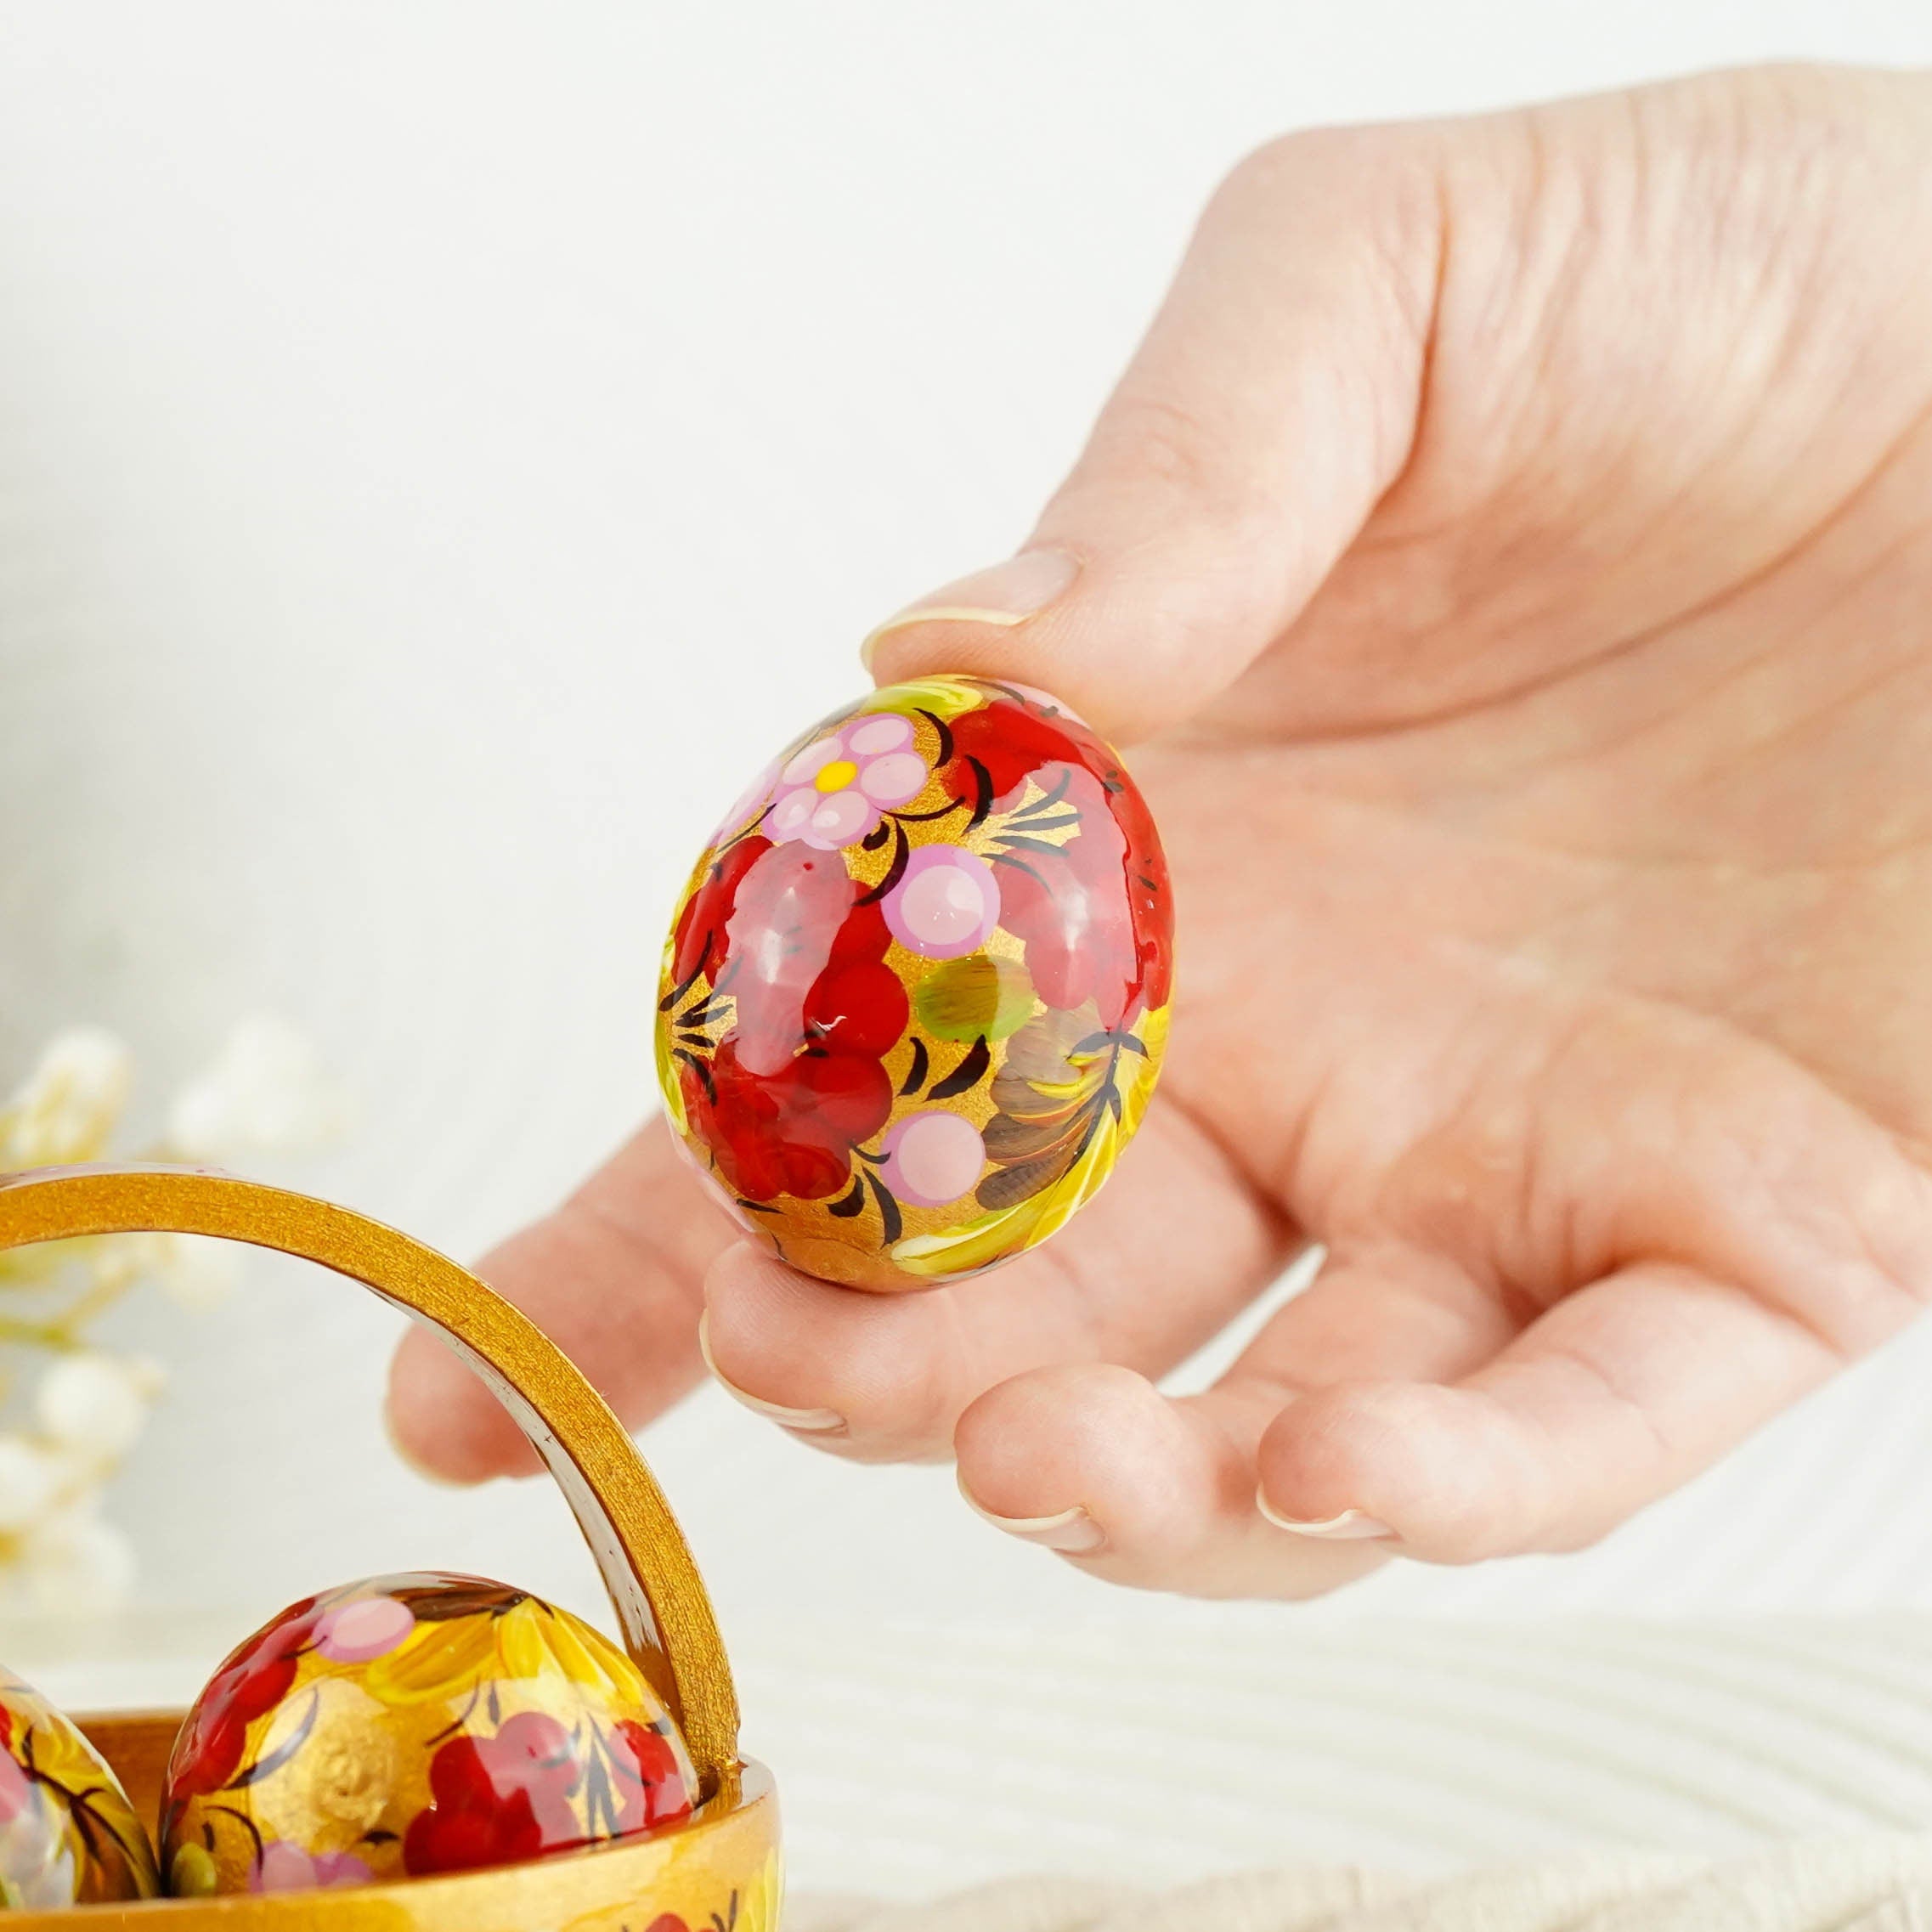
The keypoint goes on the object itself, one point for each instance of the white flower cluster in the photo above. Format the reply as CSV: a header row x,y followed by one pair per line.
x,y
263,1094
70,1104
88,1410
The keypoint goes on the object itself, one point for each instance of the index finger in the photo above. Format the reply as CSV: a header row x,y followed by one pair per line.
x,y
615,1276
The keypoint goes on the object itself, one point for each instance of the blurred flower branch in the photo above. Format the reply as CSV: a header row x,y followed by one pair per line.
x,y
74,1409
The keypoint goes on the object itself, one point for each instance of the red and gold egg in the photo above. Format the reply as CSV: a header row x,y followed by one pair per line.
x,y
915,997
413,1725
68,1834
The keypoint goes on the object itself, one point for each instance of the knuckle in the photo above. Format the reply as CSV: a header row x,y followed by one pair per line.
x,y
1165,441
1362,178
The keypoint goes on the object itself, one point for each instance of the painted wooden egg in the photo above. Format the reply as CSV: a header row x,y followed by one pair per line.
x,y
413,1725
914,1001
68,1835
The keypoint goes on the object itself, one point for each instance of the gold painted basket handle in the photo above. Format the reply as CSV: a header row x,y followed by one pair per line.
x,y
662,1606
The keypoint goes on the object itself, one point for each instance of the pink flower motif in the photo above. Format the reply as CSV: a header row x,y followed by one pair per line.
x,y
16,1789
363,1628
286,1867
831,794
946,904
933,1157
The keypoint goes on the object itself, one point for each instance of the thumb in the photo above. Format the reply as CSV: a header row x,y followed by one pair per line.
x,y
1273,402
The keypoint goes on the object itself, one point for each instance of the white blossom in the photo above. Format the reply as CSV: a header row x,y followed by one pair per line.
x,y
30,1480
95,1406
196,1272
115,1263
265,1093
73,1561
65,1109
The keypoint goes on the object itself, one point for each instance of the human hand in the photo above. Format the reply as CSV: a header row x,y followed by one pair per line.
x,y
1511,553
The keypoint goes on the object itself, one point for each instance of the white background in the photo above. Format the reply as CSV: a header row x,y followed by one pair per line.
x,y
442,449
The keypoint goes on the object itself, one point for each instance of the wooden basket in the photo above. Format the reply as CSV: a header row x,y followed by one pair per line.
x,y
718,1872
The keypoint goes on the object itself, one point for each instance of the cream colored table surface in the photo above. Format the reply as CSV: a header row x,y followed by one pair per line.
x,y
917,1761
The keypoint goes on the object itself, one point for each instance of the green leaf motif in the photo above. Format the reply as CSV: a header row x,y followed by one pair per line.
x,y
973,998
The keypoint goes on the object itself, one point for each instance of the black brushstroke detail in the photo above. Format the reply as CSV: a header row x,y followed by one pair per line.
x,y
1094,1041
756,1206
927,817
247,1823
889,1209
967,1074
703,1072
894,872
915,1074
850,1204
1015,842
459,1722
877,837
943,755
984,804
1086,1137
1018,865
267,1767
1020,698
1051,797
677,992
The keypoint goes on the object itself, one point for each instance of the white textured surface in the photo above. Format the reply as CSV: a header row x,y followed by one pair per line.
x,y
1857,1885
442,447
914,1760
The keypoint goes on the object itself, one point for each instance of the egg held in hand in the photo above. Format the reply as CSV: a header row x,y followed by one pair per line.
x,y
68,1835
412,1725
915,997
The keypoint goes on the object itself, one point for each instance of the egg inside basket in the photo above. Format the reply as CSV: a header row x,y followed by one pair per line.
x,y
717,1869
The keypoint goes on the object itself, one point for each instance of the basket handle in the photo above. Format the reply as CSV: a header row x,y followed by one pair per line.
x,y
661,1607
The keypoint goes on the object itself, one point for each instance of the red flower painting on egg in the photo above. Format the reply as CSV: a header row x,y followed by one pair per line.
x,y
411,1725
915,997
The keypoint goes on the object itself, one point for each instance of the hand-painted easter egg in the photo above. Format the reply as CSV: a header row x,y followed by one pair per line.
x,y
915,997
411,1725
68,1835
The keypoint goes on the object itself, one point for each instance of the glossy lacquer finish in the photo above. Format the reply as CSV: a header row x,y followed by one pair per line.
x,y
916,995
68,1835
413,1725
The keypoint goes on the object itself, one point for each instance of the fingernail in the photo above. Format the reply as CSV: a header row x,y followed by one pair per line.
x,y
806,1421
1072,1532
1352,1526
1006,595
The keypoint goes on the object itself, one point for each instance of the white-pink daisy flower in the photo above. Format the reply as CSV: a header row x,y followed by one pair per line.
x,y
834,792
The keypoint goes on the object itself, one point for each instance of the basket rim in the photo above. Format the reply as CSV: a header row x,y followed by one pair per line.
x,y
581,1883
662,1608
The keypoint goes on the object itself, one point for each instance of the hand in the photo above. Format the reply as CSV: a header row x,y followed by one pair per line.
x,y
1512,551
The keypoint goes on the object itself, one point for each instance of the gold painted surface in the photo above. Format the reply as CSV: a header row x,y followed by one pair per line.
x,y
363,1760
723,1863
